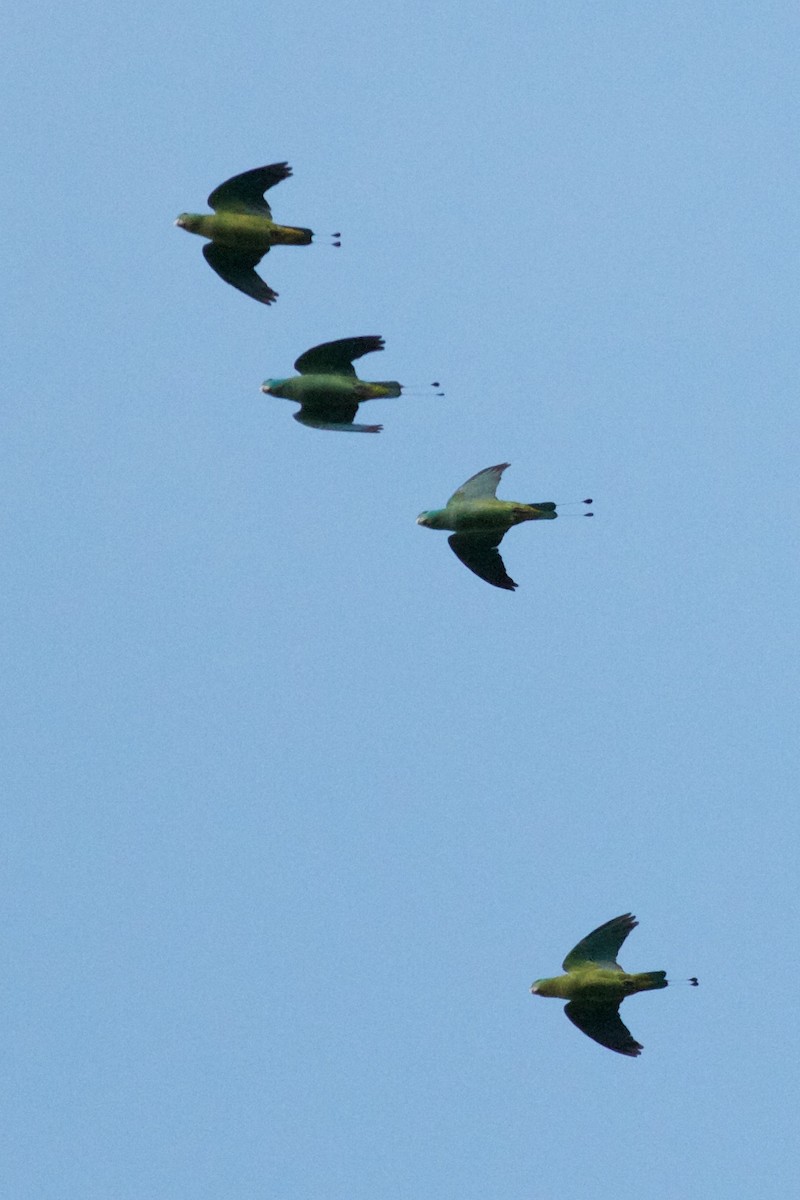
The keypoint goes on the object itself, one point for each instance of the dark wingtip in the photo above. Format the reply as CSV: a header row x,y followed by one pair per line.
x,y
507,584
281,168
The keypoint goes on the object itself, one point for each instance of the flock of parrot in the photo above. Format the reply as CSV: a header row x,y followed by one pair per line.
x,y
240,232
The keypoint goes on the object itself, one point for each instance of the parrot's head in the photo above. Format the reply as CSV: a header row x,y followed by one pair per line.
x,y
271,387
431,519
546,987
189,221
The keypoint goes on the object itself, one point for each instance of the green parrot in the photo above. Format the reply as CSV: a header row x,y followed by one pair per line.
x,y
242,230
595,985
481,521
328,389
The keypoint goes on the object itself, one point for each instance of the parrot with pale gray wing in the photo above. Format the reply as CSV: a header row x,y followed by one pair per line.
x,y
328,389
595,985
481,521
242,230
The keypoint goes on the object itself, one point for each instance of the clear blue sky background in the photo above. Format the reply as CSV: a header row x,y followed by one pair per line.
x,y
296,806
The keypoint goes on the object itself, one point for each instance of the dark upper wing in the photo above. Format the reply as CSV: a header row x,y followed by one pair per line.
x,y
245,193
601,947
336,358
479,552
236,267
602,1023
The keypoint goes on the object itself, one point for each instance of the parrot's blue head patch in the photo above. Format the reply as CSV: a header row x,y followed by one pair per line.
x,y
269,385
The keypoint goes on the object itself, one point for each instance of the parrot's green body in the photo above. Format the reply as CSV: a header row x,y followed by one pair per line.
x,y
601,985
595,985
480,521
328,389
487,514
241,229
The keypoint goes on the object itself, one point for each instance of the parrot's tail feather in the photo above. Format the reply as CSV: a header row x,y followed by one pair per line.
x,y
649,980
290,235
378,389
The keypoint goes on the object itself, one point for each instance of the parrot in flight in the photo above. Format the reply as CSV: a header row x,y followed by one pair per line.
x,y
595,985
328,389
480,522
242,230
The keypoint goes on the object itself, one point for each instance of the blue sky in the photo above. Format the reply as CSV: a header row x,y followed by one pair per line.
x,y
297,807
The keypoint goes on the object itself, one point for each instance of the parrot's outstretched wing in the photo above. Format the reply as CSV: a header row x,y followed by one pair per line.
x,y
337,415
481,486
479,552
237,267
336,358
602,1023
337,412
245,193
601,947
